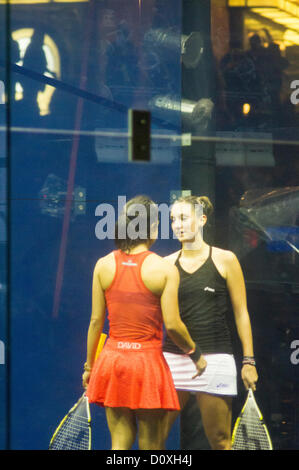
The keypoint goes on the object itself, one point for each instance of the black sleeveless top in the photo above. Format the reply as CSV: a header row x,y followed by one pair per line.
x,y
203,302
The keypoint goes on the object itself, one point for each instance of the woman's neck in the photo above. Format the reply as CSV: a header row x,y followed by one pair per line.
x,y
137,249
194,249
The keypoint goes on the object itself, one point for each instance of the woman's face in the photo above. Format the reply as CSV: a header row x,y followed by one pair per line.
x,y
187,221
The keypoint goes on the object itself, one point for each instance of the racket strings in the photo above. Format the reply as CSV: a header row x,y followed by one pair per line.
x,y
74,432
72,435
251,433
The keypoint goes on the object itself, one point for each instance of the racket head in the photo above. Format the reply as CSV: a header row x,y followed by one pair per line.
x,y
74,430
250,431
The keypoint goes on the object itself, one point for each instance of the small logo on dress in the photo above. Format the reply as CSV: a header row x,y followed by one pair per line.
x,y
221,385
127,345
129,263
210,289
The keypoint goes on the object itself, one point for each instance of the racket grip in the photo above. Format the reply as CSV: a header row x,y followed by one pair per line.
x,y
101,344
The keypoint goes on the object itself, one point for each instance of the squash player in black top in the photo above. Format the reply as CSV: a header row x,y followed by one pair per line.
x,y
208,277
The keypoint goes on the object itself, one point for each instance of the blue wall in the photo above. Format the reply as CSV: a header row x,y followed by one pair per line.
x,y
3,239
102,51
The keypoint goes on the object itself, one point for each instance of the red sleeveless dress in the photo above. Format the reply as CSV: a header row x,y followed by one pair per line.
x,y
131,370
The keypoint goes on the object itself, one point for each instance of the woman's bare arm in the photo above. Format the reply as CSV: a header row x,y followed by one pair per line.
x,y
96,322
237,292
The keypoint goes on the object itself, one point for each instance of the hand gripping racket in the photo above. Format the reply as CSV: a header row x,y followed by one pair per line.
x,y
74,431
250,431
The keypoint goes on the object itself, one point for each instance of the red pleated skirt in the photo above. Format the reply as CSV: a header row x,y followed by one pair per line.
x,y
132,375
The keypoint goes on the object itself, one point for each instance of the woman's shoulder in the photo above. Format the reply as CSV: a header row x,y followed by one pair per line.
x,y
156,261
105,260
161,262
223,254
172,257
224,258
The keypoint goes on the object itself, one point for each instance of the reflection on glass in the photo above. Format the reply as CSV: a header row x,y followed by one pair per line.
x,y
77,67
260,67
28,45
273,216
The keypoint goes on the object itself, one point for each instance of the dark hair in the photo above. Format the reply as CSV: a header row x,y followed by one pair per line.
x,y
205,202
140,213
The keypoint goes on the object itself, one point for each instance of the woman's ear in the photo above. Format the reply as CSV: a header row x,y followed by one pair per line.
x,y
204,219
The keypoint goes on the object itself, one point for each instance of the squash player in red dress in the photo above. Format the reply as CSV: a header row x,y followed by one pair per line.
x,y
131,378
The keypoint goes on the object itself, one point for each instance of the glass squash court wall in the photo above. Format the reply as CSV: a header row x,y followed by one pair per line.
x,y
220,79
75,69
245,157
3,242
